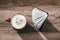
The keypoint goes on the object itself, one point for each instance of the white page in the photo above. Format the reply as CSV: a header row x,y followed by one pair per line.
x,y
38,17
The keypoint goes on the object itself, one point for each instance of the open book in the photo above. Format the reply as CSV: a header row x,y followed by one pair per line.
x,y
38,17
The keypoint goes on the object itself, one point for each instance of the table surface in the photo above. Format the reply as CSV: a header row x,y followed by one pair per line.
x,y
50,31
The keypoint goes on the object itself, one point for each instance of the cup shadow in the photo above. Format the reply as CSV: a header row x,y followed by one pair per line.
x,y
27,29
29,33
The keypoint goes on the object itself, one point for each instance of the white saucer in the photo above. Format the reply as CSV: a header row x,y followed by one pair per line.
x,y
18,21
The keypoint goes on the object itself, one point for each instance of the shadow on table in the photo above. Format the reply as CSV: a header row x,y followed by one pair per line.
x,y
27,29
48,27
29,33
